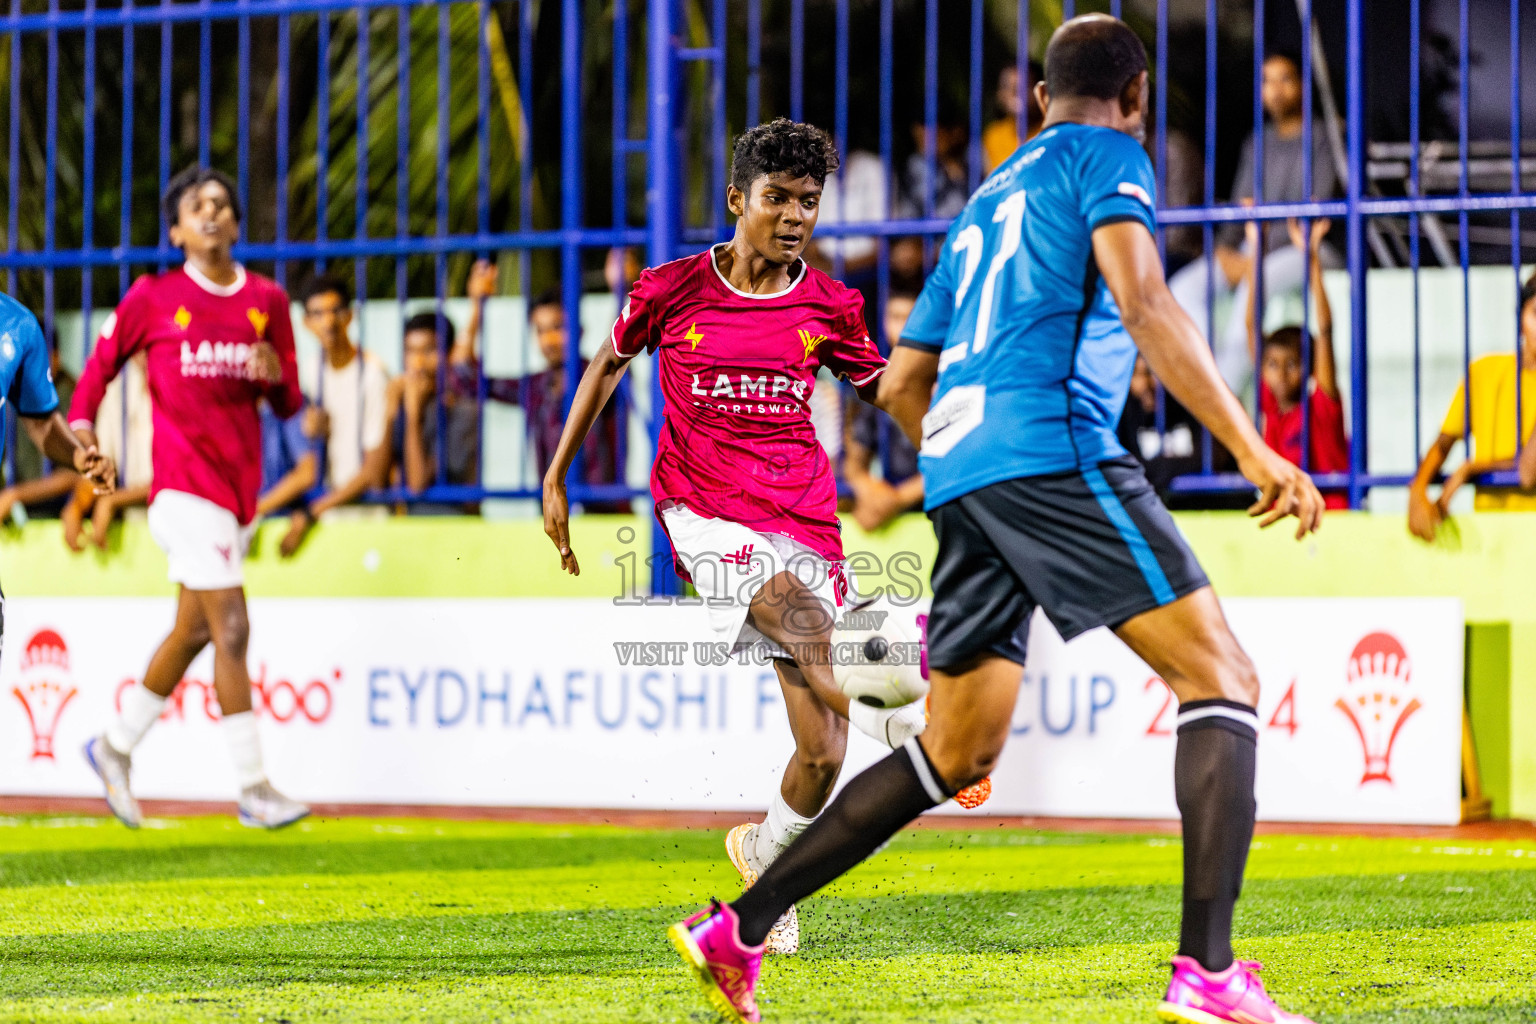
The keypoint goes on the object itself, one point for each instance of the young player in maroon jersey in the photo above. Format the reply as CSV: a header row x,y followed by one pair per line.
x,y
218,341
742,487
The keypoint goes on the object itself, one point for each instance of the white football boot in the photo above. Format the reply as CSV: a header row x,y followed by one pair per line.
x,y
113,769
740,846
261,806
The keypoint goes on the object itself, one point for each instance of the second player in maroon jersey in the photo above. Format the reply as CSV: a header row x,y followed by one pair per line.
x,y
218,341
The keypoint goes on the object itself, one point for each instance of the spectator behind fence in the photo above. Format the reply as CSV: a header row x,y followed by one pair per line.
x,y
349,393
951,186
1001,137
126,436
290,469
621,269
1495,432
872,433
1281,378
37,489
541,395
859,197
1284,167
1165,452
346,418
414,417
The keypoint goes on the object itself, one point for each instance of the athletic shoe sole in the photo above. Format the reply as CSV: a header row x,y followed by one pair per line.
x,y
693,956
1187,1015
90,758
250,822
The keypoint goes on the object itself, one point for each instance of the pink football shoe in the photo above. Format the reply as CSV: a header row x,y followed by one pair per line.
x,y
710,943
1233,996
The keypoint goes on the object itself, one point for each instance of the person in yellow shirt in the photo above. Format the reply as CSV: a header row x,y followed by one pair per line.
x,y
1495,396
1001,137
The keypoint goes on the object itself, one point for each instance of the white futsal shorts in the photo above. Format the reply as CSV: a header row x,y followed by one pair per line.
x,y
730,563
202,541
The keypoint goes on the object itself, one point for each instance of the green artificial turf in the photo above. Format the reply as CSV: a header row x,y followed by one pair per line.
x,y
362,920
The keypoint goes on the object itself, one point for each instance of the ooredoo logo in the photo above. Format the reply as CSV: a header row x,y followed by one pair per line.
x,y
45,689
1378,699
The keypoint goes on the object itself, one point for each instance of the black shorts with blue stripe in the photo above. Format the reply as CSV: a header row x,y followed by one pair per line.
x,y
1092,547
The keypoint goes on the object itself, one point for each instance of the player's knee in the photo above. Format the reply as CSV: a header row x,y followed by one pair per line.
x,y
1238,678
234,631
960,766
191,637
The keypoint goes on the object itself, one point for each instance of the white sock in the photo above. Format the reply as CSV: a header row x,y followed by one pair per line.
x,y
139,710
780,829
244,748
891,726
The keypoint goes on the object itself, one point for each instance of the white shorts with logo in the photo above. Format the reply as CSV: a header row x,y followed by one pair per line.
x,y
730,563
202,541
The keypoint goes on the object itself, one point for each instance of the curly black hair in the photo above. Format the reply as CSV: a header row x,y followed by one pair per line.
x,y
782,146
195,177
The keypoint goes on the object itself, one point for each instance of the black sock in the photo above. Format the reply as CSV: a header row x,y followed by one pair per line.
x,y
1213,773
869,810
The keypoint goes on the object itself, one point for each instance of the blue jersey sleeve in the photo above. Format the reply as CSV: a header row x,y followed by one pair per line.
x,y
33,392
928,324
1116,181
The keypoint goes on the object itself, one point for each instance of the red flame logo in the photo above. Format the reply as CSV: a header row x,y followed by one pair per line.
x,y
1378,700
45,689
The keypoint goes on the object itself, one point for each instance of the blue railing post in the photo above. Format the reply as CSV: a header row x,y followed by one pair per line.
x,y
1355,192
572,181
663,202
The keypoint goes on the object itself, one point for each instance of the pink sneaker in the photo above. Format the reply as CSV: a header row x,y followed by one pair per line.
x,y
1233,996
710,943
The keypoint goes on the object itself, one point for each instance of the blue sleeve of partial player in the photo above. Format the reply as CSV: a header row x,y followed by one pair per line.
x,y
928,325
33,392
1115,181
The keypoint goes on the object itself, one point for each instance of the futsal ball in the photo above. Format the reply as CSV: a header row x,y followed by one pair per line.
x,y
877,650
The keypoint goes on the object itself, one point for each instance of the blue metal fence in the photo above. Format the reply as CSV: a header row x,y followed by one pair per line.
x,y
485,110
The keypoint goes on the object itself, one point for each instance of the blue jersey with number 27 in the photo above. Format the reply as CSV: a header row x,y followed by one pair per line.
x,y
1034,364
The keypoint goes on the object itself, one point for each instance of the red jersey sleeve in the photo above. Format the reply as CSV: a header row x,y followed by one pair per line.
x,y
852,353
638,328
285,396
1330,442
121,336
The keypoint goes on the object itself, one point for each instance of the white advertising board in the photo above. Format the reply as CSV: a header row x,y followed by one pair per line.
x,y
554,703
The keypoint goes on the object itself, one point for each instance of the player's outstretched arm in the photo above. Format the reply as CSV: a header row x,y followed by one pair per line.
x,y
592,394
52,436
906,389
1178,355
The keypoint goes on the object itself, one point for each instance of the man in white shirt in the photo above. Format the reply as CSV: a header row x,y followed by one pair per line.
x,y
350,410
863,180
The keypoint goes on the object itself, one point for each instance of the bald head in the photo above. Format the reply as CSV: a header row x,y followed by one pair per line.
x,y
1093,57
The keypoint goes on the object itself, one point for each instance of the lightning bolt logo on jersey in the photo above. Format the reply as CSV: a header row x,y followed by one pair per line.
x,y
1034,363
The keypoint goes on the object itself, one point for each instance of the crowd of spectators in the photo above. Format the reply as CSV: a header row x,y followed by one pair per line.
x,y
364,434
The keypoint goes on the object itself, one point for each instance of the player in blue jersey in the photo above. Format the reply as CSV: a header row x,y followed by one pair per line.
x,y
1048,284
26,383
